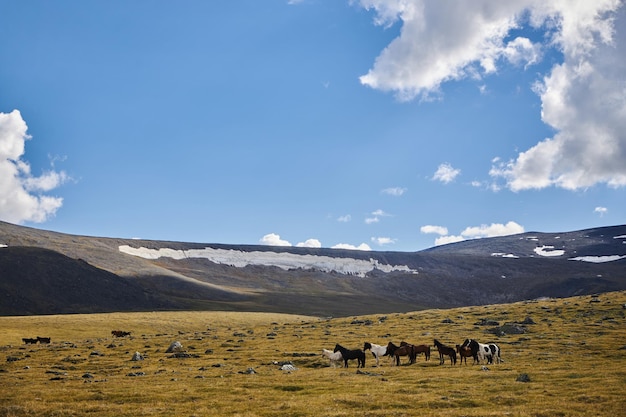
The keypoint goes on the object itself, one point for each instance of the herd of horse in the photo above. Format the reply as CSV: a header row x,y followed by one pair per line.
x,y
35,340
481,353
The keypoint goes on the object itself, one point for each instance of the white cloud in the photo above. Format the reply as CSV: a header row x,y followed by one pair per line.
x,y
21,197
310,243
377,215
439,230
444,240
583,97
371,220
381,241
477,232
446,174
492,230
272,239
439,41
522,51
362,246
600,210
344,219
394,191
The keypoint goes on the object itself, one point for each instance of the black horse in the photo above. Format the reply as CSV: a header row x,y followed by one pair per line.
x,y
445,351
348,354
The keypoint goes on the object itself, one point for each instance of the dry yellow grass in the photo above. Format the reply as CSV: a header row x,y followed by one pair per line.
x,y
575,357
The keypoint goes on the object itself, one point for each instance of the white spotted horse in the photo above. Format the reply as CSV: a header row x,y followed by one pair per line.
x,y
377,350
483,352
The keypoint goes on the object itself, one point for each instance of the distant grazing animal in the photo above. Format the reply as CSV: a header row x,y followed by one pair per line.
x,y
377,350
119,333
445,351
417,349
335,358
495,353
347,355
480,351
402,350
43,340
464,353
29,341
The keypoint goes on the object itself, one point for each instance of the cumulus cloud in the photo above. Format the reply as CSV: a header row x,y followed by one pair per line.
x,y
272,239
344,219
445,173
444,240
394,191
381,241
362,246
583,97
439,230
600,210
310,243
21,193
377,214
477,232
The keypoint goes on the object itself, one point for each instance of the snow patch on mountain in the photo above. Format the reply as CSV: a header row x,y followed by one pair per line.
x,y
284,260
547,250
504,255
598,259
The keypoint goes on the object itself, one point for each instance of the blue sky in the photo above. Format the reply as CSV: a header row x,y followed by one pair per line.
x,y
372,124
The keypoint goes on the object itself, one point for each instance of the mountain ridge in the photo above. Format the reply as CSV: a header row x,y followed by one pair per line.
x,y
166,275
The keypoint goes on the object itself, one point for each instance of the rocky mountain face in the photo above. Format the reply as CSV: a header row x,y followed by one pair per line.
x,y
43,272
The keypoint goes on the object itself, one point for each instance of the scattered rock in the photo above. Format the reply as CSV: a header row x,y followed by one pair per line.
x,y
183,355
359,372
136,374
174,347
87,376
137,357
362,322
288,367
523,378
486,322
528,320
508,328
484,368
447,321
249,371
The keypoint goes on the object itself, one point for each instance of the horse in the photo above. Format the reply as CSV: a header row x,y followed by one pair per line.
x,y
347,355
335,358
464,353
417,349
480,351
377,350
119,333
495,353
405,349
445,351
43,340
29,341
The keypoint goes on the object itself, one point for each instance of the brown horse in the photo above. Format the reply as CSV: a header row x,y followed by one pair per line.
x,y
464,353
404,349
445,351
422,349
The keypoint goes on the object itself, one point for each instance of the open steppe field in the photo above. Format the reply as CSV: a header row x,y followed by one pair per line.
x,y
570,361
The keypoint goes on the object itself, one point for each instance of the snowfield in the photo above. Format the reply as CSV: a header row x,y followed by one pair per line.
x,y
598,259
285,260
548,251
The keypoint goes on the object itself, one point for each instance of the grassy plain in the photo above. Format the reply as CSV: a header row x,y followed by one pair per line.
x,y
574,356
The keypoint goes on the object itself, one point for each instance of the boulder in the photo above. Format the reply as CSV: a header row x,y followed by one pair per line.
x,y
175,347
